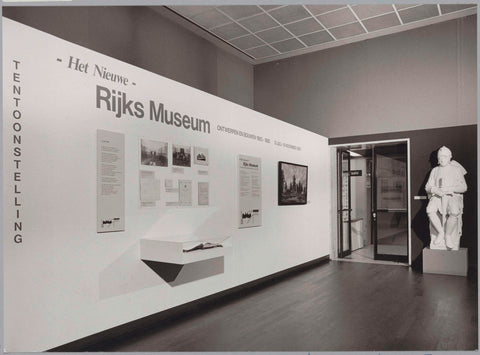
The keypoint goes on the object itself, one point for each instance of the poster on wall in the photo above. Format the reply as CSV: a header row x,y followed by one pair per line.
x,y
249,191
181,155
292,183
203,193
110,181
149,189
185,192
153,153
169,186
200,156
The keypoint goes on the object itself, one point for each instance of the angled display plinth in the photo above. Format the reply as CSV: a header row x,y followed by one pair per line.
x,y
179,251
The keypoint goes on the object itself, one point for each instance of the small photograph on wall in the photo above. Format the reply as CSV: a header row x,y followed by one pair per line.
x,y
153,153
292,183
181,155
200,156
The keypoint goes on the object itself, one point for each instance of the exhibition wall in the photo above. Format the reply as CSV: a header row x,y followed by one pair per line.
x,y
417,79
92,144
424,144
140,36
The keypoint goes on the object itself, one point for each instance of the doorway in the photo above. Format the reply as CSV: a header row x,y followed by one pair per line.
x,y
372,186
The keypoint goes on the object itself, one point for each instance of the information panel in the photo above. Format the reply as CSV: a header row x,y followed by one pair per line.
x,y
110,181
249,191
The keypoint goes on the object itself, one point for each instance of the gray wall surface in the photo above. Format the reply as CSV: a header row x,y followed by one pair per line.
x,y
144,38
418,79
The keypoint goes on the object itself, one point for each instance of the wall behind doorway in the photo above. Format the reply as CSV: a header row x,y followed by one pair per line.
x,y
418,79
462,140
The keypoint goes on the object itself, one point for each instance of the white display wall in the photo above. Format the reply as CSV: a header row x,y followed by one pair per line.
x,y
63,280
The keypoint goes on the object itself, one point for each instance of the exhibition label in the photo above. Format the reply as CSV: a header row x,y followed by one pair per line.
x,y
249,191
110,181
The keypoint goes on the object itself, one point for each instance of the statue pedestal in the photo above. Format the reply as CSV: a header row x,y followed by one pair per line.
x,y
448,262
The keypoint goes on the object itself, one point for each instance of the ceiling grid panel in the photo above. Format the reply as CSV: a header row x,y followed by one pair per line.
x,y
398,15
271,32
316,19
358,19
252,34
281,25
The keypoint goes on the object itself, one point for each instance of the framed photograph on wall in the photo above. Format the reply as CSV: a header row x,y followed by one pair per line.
x,y
292,183
153,153
200,156
181,155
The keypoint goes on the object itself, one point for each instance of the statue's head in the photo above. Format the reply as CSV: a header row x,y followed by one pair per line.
x,y
444,156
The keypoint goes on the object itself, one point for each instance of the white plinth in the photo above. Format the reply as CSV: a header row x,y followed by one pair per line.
x,y
448,262
171,251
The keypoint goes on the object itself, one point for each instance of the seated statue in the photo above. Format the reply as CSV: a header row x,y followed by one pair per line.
x,y
445,187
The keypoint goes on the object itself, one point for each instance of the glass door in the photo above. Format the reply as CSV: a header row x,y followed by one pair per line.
x,y
344,204
390,202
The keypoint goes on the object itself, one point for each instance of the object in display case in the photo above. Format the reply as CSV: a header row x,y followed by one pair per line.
x,y
200,156
182,249
153,153
181,155
292,183
203,246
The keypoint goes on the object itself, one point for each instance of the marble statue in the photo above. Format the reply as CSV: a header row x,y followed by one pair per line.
x,y
445,187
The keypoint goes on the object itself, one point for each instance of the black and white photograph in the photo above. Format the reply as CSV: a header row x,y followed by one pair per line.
x,y
153,153
292,183
181,155
201,156
330,148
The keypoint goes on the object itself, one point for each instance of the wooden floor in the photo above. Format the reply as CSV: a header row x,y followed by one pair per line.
x,y
336,306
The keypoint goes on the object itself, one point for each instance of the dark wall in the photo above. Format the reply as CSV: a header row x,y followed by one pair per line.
x,y
418,79
462,140
142,37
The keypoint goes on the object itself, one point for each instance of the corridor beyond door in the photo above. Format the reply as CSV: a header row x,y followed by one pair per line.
x,y
372,203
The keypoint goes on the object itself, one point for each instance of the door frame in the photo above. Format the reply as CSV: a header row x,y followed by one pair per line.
x,y
375,210
334,186
340,208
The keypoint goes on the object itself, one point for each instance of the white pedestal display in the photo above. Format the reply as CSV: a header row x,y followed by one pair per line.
x,y
172,251
448,262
